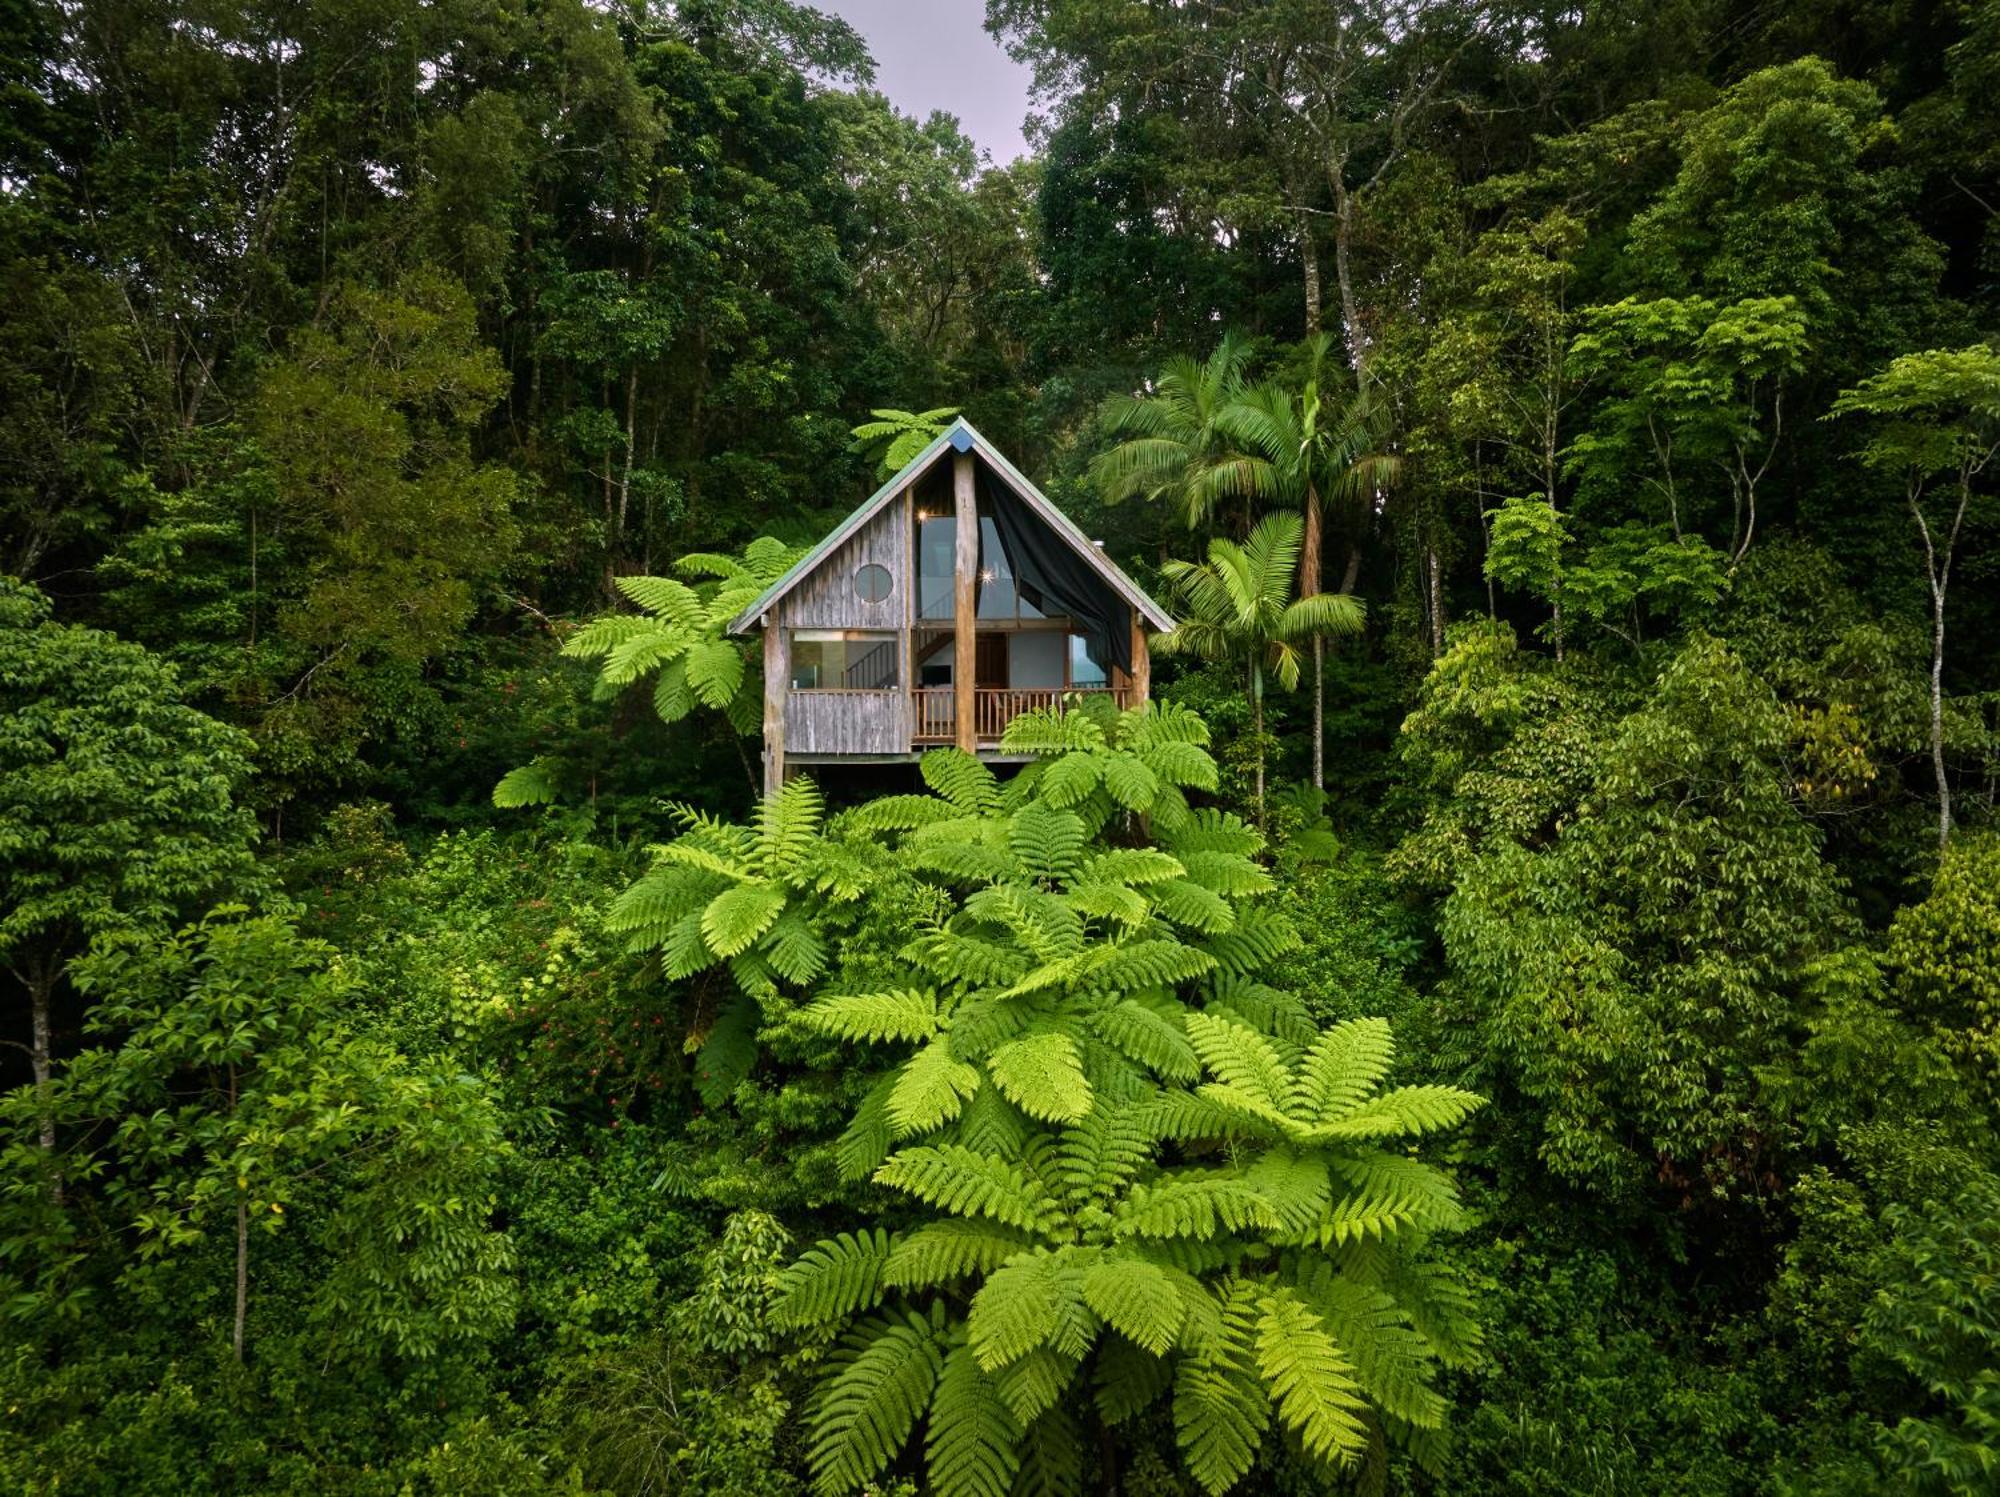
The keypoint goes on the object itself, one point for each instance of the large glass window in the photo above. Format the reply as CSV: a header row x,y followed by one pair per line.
x,y
937,539
845,659
1085,669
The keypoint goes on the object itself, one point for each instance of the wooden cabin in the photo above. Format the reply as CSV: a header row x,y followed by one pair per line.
x,y
956,598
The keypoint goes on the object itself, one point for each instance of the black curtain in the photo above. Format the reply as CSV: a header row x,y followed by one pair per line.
x,y
1044,561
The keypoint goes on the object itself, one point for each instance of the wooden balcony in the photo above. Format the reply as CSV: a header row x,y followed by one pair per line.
x,y
934,716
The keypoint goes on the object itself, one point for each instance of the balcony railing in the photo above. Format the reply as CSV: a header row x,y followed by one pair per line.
x,y
935,718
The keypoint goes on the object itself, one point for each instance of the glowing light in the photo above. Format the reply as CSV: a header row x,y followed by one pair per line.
x,y
987,574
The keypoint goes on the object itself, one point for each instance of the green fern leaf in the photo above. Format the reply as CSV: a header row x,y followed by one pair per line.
x,y
1131,782
973,1443
532,784
1391,1360
940,1252
1228,873
866,1406
1142,965
1220,1411
1135,866
727,1052
1406,1110
1248,1063
931,1089
1033,1300
1188,904
1342,1068
714,671
1048,843
1151,1034
833,1279
1196,1205
954,1178
962,780
1109,902
796,952
1051,1457
1070,780
1042,1074
1312,1384
903,1015
1137,1299
736,917
1036,1383
1128,1380
866,1141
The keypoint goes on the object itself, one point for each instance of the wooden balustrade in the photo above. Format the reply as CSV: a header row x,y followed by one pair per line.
x,y
935,715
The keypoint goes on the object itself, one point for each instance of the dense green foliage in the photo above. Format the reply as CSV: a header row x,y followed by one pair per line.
x,y
1520,1012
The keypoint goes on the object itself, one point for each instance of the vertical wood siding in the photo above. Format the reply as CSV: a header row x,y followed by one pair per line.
x,y
827,599
847,722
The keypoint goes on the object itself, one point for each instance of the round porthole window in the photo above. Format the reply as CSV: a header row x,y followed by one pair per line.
x,y
873,582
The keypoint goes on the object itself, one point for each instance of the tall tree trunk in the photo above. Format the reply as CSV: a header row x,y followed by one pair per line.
x,y
1257,729
1937,717
41,984
1309,575
1309,264
242,1275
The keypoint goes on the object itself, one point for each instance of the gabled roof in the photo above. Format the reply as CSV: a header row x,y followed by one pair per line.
x,y
960,436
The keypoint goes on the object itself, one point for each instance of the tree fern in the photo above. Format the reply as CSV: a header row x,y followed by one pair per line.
x,y
956,1179
1042,1075
904,1015
973,1443
931,1089
877,1385
940,1252
1312,1384
834,1279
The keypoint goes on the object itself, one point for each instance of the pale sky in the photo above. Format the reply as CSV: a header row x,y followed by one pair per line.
x,y
936,54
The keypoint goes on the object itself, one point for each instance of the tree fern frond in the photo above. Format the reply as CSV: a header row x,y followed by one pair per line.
x,y
866,1140
957,1180
1051,1457
1220,1409
1138,965
1036,1383
961,779
1259,942
1344,1065
903,1015
940,1252
1042,1074
930,1089
1193,1204
736,917
1312,1384
1135,1298
833,1279
866,1406
1128,1379
1133,866
1048,843
727,1051
1150,1034
973,1443
1031,1301
1188,904
1247,1062
1406,1110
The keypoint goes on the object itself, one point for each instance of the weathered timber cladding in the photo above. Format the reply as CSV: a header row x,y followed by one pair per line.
x,y
827,600
847,722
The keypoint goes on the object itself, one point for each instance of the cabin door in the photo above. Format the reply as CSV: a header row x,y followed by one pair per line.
x,y
989,660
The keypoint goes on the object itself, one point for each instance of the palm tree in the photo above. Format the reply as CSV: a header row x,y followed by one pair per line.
x,y
1173,452
1239,607
1298,449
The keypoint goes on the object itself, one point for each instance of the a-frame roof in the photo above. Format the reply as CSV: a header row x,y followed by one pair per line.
x,y
960,436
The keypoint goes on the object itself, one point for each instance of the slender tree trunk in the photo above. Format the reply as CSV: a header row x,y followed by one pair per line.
x,y
1309,263
1937,714
1938,573
41,983
1309,574
242,1275
1257,728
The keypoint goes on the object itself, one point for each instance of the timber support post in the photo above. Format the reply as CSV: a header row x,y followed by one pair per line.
x,y
965,595
777,681
1142,662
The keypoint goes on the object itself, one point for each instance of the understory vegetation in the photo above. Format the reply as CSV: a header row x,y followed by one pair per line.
x,y
1517,1013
